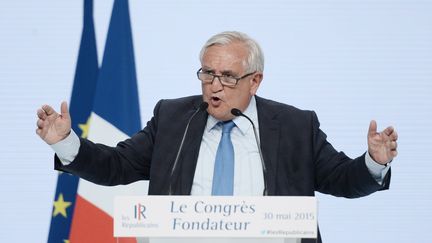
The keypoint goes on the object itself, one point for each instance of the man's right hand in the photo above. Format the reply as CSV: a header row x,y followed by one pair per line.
x,y
53,127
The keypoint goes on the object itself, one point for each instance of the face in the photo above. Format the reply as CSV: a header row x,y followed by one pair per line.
x,y
228,60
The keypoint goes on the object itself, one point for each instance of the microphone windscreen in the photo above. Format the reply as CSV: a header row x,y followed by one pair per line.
x,y
236,112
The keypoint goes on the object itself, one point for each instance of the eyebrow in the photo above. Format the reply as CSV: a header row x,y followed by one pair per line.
x,y
225,72
207,69
228,73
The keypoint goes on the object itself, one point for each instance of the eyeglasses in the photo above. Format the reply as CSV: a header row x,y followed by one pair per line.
x,y
225,80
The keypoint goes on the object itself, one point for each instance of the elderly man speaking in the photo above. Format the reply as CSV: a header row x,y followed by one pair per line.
x,y
227,141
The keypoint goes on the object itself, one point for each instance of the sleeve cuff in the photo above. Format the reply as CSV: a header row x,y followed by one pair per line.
x,y
67,149
378,171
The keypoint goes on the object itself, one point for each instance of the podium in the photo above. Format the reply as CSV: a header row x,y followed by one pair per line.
x,y
178,219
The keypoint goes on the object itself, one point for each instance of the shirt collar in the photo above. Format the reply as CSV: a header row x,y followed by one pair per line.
x,y
241,122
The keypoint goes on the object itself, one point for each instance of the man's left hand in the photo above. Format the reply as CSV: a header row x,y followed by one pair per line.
x,y
382,146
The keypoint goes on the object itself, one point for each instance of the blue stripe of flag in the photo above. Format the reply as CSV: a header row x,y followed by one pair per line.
x,y
116,98
80,108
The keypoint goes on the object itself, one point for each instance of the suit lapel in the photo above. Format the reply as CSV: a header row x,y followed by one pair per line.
x,y
269,130
189,154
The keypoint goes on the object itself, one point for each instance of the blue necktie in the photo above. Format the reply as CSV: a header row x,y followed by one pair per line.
x,y
223,175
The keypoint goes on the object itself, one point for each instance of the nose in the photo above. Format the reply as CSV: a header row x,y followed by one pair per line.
x,y
216,85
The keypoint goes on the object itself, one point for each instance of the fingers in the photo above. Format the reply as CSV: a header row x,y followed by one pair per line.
x,y
48,110
391,133
388,131
41,114
40,127
64,110
393,145
394,136
40,123
372,128
382,146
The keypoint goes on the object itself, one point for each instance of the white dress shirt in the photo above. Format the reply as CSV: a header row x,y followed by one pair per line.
x,y
248,172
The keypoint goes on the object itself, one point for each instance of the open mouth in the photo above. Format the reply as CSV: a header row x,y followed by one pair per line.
x,y
216,99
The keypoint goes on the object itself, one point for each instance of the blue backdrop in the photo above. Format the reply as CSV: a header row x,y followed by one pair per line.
x,y
350,61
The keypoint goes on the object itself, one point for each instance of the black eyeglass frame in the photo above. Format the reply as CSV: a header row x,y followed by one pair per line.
x,y
220,76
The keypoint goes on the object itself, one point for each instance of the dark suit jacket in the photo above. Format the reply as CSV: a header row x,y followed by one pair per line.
x,y
298,158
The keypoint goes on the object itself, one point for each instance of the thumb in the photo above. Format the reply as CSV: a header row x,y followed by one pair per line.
x,y
372,128
64,110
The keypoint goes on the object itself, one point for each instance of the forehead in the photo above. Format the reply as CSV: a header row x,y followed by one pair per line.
x,y
225,57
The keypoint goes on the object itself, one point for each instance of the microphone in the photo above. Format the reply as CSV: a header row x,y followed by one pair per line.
x,y
203,106
237,112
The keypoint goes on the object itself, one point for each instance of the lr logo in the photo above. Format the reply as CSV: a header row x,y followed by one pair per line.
x,y
139,210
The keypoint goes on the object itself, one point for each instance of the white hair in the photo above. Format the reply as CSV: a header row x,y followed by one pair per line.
x,y
255,59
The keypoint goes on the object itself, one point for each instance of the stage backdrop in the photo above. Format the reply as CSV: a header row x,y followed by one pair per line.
x,y
350,61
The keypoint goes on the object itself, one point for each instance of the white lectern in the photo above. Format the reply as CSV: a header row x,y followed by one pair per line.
x,y
177,219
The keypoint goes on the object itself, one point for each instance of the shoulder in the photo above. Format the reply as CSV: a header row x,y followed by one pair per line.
x,y
291,119
183,101
281,110
179,104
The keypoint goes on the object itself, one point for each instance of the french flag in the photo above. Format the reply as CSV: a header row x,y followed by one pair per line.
x,y
114,117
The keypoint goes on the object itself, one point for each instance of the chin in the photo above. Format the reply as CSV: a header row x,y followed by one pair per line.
x,y
221,115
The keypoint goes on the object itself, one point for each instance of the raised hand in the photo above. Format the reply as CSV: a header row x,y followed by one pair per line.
x,y
53,127
382,146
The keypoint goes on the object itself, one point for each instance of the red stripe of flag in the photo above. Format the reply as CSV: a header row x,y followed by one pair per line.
x,y
91,225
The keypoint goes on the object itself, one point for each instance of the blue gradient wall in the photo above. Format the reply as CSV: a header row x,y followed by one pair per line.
x,y
351,61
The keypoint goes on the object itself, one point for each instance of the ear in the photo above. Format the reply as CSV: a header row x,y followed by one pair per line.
x,y
255,82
